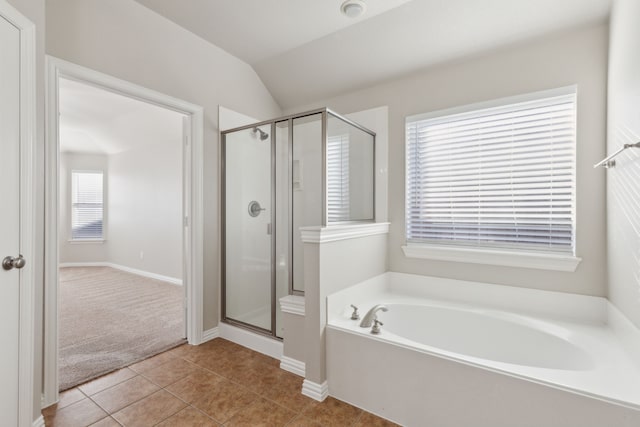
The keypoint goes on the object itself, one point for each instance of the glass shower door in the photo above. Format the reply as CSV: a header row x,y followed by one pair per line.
x,y
248,237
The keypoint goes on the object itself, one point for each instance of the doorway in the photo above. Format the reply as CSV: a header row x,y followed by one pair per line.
x,y
120,290
115,257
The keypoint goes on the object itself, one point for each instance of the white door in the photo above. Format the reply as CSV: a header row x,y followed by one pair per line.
x,y
9,219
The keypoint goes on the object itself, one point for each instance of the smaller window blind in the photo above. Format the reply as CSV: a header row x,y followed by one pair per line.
x,y
494,177
338,178
86,205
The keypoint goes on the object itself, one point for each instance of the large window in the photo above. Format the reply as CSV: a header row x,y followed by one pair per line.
x,y
86,205
494,177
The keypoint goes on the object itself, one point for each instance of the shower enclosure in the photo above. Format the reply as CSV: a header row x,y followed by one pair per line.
x,y
310,169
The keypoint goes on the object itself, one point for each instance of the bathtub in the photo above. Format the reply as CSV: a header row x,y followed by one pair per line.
x,y
455,353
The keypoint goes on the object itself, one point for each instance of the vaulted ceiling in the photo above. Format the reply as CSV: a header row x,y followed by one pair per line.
x,y
96,121
306,50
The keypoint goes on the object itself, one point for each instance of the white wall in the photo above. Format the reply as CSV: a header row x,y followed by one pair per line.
x,y
144,209
126,40
623,181
576,57
80,252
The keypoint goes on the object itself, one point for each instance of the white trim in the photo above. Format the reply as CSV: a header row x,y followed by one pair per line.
x,y
315,391
86,241
39,422
84,264
52,159
27,209
292,304
333,233
535,260
193,202
148,274
262,344
210,334
292,365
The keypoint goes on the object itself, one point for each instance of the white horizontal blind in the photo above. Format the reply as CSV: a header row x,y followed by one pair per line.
x,y
338,178
86,205
494,177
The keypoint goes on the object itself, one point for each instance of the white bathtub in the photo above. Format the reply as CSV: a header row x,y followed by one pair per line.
x,y
458,353
488,335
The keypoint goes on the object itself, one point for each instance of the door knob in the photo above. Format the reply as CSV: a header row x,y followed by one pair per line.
x,y
9,263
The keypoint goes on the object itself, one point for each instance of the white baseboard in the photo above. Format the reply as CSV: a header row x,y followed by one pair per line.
x,y
39,422
292,365
253,341
148,274
210,334
315,391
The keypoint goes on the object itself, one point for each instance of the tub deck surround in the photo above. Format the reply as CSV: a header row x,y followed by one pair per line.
x,y
335,257
319,234
572,343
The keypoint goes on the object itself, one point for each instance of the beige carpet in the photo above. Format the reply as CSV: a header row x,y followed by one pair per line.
x,y
109,319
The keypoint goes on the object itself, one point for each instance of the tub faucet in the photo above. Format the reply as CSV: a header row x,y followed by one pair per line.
x,y
368,318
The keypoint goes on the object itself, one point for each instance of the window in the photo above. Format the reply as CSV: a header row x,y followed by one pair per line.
x,y
494,177
338,178
86,205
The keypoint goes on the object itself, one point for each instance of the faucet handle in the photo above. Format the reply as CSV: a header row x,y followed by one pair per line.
x,y
375,329
354,315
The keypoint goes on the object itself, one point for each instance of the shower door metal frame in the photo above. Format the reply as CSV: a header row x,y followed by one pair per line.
x,y
324,112
223,235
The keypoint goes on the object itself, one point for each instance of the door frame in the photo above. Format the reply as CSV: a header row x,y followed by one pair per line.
x,y
193,259
27,209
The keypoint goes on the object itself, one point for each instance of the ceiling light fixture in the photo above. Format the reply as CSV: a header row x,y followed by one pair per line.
x,y
353,8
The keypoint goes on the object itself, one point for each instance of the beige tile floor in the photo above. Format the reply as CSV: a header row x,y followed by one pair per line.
x,y
218,383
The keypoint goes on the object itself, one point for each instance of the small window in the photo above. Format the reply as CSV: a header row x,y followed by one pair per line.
x,y
494,177
86,205
338,178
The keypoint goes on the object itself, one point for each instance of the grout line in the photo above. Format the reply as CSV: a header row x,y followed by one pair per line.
x,y
131,403
102,376
81,392
116,421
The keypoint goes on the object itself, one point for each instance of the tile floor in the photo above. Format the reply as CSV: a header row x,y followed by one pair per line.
x,y
218,383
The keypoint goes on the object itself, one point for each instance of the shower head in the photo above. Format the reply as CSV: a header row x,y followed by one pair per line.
x,y
263,134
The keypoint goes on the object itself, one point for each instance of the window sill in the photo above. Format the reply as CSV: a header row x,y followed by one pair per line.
x,y
86,241
539,261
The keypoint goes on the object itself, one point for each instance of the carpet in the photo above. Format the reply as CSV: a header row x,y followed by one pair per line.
x,y
109,319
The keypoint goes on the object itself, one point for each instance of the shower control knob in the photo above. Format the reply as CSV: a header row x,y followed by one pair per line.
x,y
254,208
